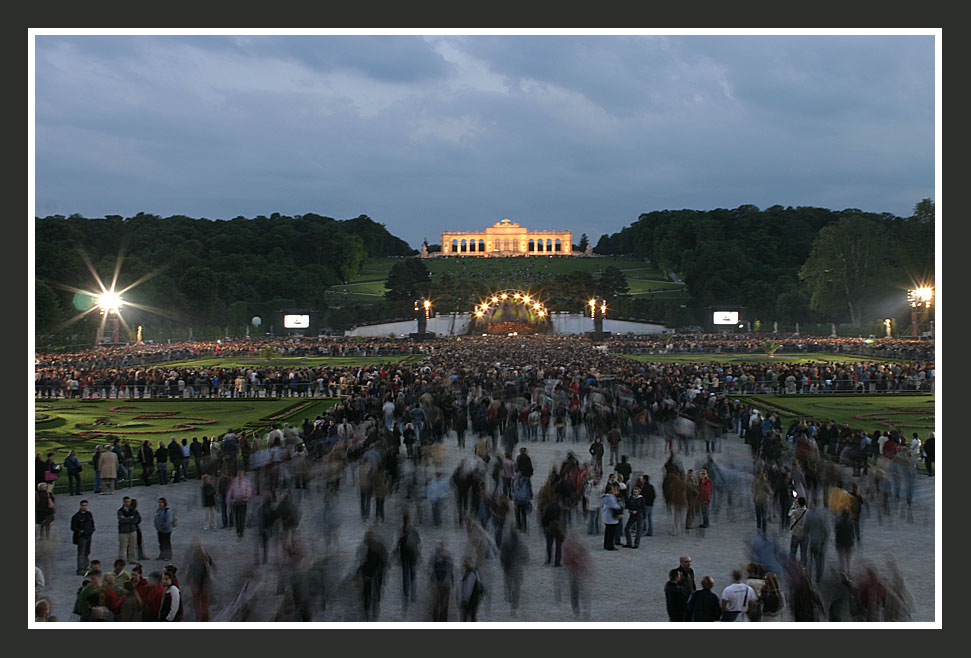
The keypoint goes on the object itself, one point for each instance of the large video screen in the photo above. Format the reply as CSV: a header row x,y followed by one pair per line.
x,y
296,321
725,317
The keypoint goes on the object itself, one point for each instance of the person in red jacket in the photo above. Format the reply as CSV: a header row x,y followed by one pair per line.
x,y
152,599
704,495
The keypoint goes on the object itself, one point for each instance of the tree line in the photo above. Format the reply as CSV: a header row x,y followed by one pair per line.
x,y
197,272
802,264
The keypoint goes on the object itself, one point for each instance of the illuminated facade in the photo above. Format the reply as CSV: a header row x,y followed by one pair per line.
x,y
507,238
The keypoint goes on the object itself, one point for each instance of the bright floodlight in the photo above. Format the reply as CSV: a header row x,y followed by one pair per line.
x,y
109,302
921,296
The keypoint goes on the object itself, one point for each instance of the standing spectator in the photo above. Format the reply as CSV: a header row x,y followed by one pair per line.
x,y
186,453
146,457
73,467
195,449
524,467
131,607
138,531
736,598
522,495
44,508
773,599
610,513
687,575
591,503
703,604
171,608
95,459
636,509
704,496
647,490
797,526
223,485
82,526
674,596
127,520
928,449
164,524
597,452
613,440
208,502
162,459
175,458
238,495
108,469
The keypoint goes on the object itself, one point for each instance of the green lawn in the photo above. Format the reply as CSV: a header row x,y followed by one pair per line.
x,y
551,265
909,412
800,357
288,361
82,425
643,279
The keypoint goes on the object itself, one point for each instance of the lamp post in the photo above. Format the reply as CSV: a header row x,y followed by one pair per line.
x,y
918,298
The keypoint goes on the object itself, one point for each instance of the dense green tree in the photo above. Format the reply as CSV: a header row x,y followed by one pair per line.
x,y
846,266
612,283
47,308
584,241
407,280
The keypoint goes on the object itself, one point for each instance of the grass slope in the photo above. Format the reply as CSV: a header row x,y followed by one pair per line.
x,y
65,425
909,412
644,280
795,358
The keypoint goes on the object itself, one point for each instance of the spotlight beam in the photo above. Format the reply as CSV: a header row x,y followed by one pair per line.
x,y
94,273
76,317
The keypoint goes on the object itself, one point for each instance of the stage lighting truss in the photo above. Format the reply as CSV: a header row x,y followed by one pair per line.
x,y
491,302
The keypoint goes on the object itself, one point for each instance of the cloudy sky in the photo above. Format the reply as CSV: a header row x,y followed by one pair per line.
x,y
432,133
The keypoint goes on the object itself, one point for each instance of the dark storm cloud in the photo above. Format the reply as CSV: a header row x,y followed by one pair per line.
x,y
426,134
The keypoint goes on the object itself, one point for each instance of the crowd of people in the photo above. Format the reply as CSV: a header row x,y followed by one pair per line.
x,y
387,439
128,372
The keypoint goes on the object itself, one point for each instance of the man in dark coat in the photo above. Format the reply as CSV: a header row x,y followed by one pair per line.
x,y
175,458
687,575
675,597
82,525
703,604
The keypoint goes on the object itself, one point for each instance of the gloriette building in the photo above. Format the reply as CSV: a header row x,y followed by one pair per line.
x,y
507,238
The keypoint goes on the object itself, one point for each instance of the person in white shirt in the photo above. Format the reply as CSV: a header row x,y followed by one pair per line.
x,y
915,446
736,597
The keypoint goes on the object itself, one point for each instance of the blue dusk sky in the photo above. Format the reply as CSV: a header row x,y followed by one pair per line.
x,y
455,132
